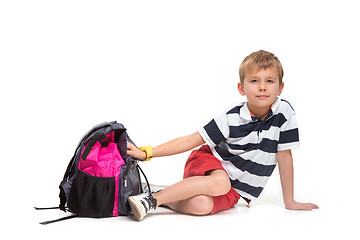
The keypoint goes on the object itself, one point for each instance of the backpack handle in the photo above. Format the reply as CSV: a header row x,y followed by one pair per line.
x,y
101,137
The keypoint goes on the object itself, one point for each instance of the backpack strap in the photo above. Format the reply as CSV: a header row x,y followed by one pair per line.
x,y
58,220
101,137
147,182
45,208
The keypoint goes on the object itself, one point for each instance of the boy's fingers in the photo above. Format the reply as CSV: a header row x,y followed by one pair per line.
x,y
129,145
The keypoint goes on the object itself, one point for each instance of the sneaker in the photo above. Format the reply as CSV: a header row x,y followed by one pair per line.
x,y
142,204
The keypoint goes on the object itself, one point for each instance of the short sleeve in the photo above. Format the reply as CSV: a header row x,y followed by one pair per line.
x,y
216,131
289,135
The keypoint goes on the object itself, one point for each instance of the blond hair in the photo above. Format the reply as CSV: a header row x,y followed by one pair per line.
x,y
260,60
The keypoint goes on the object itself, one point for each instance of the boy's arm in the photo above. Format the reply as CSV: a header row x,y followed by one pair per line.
x,y
286,171
178,145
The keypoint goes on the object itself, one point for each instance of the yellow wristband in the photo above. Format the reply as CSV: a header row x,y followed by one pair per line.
x,y
148,151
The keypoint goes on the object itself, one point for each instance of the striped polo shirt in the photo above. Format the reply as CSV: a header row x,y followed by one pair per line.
x,y
247,146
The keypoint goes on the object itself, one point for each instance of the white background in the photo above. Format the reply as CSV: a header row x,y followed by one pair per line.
x,y
164,69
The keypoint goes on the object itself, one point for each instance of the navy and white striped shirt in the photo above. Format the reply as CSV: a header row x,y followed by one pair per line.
x,y
247,146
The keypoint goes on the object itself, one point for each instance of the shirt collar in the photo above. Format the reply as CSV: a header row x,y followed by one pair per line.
x,y
246,114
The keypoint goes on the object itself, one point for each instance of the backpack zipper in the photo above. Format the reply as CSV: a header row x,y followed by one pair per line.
x,y
125,181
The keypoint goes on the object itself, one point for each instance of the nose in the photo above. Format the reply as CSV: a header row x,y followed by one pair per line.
x,y
262,87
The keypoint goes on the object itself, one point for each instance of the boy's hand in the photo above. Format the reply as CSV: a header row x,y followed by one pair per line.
x,y
301,206
135,152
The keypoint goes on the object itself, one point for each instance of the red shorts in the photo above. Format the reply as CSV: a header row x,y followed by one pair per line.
x,y
200,163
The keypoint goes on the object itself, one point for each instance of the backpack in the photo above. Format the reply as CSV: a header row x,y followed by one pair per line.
x,y
100,176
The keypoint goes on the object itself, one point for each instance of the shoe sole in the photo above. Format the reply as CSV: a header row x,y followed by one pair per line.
x,y
136,209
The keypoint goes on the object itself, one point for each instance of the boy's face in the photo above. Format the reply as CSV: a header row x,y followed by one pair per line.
x,y
261,88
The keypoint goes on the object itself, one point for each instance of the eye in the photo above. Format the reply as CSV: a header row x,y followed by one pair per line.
x,y
270,81
253,81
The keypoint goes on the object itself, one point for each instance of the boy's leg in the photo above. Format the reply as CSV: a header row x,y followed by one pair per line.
x,y
193,195
198,205
206,188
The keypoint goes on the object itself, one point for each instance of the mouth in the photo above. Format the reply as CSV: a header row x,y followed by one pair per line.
x,y
262,96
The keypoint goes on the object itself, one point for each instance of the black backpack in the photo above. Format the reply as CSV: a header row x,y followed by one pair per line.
x,y
100,176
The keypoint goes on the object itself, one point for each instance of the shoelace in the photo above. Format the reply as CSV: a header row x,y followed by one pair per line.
x,y
150,203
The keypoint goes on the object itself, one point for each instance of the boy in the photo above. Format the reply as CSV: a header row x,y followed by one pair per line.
x,y
240,153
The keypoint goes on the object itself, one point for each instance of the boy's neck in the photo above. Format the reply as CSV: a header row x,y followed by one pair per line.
x,y
259,112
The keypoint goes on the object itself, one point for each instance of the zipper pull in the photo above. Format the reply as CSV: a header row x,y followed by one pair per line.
x,y
125,181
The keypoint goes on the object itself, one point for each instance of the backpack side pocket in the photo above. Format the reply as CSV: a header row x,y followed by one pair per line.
x,y
92,196
130,185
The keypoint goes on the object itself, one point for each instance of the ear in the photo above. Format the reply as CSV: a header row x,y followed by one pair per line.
x,y
281,88
241,89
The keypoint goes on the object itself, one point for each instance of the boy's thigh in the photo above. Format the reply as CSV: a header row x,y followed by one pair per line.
x,y
202,162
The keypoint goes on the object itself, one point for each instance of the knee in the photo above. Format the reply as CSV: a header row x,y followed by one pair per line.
x,y
220,183
201,205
